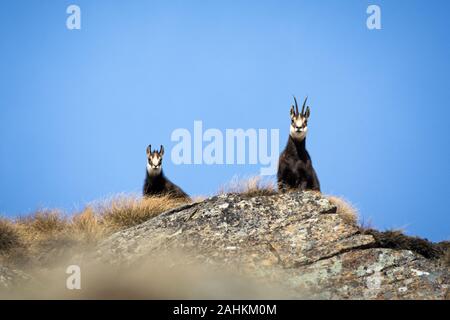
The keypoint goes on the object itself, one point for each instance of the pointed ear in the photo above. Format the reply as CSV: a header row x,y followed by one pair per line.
x,y
307,113
149,150
161,150
292,112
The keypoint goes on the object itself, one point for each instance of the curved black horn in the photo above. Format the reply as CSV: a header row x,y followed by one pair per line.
x,y
304,104
296,106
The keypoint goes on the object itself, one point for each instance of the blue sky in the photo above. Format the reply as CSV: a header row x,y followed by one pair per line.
x,y
79,107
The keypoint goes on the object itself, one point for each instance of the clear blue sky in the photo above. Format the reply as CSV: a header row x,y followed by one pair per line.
x,y
78,108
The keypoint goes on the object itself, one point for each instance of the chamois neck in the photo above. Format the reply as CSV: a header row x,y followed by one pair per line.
x,y
298,144
158,176
297,148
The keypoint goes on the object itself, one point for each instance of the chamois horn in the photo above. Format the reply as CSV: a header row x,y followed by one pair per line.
x,y
304,104
296,106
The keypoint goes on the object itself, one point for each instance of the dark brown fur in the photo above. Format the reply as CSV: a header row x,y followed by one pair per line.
x,y
156,184
159,185
295,169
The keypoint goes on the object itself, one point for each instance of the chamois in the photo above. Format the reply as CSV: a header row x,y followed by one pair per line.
x,y
295,170
156,182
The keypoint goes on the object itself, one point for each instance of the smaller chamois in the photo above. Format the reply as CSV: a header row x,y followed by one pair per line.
x,y
295,170
156,184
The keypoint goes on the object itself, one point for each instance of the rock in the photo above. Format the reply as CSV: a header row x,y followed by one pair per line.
x,y
296,240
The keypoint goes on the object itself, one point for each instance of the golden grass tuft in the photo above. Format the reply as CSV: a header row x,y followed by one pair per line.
x,y
88,226
9,236
44,236
345,209
251,187
41,225
445,249
125,212
447,258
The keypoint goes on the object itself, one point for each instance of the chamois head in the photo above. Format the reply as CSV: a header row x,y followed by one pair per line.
x,y
299,121
154,160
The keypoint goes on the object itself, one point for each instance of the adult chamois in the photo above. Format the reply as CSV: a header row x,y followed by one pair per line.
x,y
295,169
156,183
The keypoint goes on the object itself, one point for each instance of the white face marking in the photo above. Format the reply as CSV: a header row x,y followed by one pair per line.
x,y
298,128
154,164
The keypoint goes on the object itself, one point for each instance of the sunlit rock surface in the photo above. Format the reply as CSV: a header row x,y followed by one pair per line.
x,y
296,240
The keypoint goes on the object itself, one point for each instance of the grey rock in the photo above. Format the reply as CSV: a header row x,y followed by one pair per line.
x,y
296,240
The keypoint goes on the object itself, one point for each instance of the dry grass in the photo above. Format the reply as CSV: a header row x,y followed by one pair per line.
x,y
9,236
89,226
47,236
393,239
250,187
123,212
366,224
345,209
396,239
